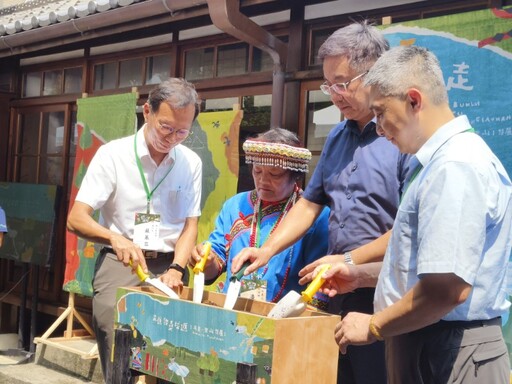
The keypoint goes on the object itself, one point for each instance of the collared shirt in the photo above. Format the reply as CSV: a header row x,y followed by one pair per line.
x,y
359,176
455,217
113,185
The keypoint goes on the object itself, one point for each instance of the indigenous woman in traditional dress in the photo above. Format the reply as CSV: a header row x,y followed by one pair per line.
x,y
249,218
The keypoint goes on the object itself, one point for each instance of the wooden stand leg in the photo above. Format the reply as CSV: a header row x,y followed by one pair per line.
x,y
246,373
121,365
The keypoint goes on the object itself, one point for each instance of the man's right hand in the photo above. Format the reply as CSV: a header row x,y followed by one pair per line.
x,y
340,278
127,251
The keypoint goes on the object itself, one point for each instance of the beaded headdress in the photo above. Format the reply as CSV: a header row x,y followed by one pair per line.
x,y
276,155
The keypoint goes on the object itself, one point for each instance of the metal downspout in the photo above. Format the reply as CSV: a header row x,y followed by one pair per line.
x,y
226,16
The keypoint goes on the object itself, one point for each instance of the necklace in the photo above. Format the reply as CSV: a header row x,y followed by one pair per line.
x,y
255,235
254,238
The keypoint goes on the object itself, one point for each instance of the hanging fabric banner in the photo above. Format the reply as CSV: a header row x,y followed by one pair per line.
x,y
99,120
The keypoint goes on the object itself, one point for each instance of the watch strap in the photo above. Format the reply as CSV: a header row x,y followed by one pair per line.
x,y
177,267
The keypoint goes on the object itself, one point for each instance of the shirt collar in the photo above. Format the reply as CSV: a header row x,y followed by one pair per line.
x,y
440,137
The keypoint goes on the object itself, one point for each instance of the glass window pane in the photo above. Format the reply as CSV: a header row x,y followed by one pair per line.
x,y
29,133
105,76
318,39
51,170
28,169
53,133
74,136
52,84
130,73
261,61
158,69
199,64
73,80
232,59
5,81
32,84
215,105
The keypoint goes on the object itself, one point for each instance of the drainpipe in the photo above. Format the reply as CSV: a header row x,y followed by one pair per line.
x,y
226,16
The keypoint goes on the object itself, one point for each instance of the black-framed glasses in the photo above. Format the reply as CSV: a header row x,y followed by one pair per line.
x,y
339,88
181,134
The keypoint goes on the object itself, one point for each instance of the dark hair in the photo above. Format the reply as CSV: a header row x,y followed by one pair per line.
x,y
178,93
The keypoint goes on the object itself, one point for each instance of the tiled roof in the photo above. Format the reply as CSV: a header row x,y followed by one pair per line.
x,y
41,13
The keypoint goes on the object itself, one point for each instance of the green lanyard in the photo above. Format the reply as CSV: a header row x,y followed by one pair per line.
x,y
144,182
420,167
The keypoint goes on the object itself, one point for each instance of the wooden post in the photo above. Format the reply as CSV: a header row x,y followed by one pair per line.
x,y
246,373
121,373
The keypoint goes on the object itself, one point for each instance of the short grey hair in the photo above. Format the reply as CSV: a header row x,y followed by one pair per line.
x,y
405,67
361,43
178,93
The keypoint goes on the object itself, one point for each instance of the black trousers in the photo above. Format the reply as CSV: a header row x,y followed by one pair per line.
x,y
363,364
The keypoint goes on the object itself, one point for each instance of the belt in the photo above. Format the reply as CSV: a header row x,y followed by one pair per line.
x,y
148,254
466,324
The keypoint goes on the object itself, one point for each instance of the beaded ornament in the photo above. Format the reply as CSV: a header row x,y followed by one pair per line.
x,y
276,155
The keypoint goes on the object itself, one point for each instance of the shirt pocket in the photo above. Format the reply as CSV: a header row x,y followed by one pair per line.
x,y
179,205
404,253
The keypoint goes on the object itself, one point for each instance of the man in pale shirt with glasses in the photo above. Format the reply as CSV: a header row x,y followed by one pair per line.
x,y
359,176
147,188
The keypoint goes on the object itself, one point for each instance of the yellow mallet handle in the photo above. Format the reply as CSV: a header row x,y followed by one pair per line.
x,y
315,285
207,247
140,273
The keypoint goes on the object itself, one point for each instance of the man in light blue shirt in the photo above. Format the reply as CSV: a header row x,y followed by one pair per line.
x,y
441,289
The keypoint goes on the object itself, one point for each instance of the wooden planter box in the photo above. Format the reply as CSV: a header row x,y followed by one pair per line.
x,y
184,342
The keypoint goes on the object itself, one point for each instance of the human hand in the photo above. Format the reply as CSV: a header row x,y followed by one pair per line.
x,y
258,257
197,255
172,278
340,278
353,329
128,252
307,272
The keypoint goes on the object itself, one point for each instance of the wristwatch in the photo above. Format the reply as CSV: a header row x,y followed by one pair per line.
x,y
177,267
347,256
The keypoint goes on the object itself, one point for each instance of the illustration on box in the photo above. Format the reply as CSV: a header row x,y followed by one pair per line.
x,y
183,342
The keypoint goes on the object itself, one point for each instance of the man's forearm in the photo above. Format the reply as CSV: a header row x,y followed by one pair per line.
x,y
426,303
295,225
372,251
186,242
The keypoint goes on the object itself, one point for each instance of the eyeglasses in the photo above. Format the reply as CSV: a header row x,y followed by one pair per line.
x,y
181,134
339,88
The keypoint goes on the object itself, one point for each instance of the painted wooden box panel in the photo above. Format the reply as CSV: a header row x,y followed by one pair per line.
x,y
184,342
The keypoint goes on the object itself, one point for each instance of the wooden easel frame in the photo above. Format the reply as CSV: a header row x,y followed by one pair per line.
x,y
70,335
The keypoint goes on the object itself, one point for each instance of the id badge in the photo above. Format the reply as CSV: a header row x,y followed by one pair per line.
x,y
146,231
